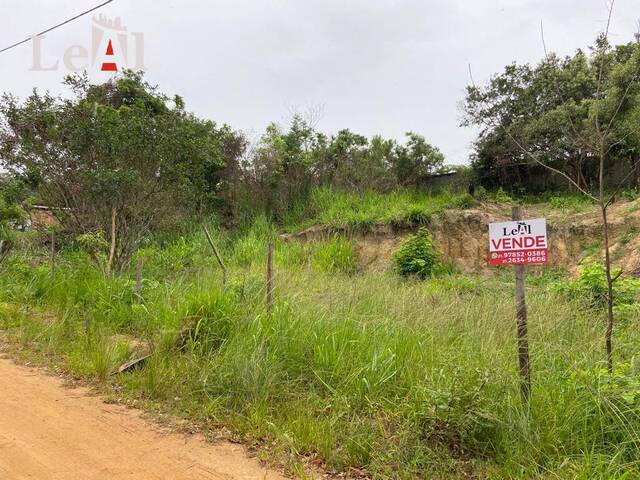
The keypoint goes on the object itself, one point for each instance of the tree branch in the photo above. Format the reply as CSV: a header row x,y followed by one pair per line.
x,y
529,154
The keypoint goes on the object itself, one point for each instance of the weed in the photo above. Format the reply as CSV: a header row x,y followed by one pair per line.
x,y
336,255
418,256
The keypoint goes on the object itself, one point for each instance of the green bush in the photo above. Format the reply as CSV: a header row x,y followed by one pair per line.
x,y
590,287
502,197
418,256
463,201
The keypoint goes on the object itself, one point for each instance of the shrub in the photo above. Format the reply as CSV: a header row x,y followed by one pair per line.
x,y
481,193
464,201
502,197
590,287
418,256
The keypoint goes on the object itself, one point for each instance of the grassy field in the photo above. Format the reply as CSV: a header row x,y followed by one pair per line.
x,y
359,372
360,212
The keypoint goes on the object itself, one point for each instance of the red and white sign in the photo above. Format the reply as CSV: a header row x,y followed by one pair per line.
x,y
522,242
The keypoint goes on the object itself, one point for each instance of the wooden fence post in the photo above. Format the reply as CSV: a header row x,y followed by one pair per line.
x,y
139,270
521,315
217,255
270,276
53,255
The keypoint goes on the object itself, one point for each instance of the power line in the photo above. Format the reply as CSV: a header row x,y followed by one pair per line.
x,y
55,26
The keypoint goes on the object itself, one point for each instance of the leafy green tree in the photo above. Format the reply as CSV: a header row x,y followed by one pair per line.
x,y
416,160
118,157
549,109
282,165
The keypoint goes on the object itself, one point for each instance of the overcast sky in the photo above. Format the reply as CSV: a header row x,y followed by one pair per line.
x,y
373,66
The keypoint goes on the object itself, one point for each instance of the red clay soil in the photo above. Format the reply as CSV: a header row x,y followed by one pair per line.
x,y
52,432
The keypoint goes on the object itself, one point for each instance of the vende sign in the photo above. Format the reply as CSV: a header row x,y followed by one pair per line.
x,y
522,242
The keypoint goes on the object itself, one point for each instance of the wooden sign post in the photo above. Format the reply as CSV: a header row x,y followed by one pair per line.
x,y
521,316
519,243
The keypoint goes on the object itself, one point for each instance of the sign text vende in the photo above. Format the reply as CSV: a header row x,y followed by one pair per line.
x,y
518,242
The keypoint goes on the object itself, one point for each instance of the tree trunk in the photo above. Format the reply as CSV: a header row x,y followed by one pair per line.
x,y
607,266
605,237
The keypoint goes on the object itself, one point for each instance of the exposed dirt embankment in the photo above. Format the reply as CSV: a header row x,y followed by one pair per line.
x,y
462,236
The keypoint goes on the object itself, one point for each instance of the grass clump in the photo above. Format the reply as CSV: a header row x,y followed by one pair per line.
x,y
336,255
363,211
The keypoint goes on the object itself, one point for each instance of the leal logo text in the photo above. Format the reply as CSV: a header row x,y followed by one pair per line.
x,y
111,48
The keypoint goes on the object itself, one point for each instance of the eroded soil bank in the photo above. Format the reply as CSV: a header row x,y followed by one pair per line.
x,y
462,236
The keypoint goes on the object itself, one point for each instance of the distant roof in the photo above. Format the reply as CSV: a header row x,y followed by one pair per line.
x,y
444,174
45,207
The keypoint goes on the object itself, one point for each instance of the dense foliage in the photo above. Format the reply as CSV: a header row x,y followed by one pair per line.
x,y
286,164
550,110
123,156
117,156
418,256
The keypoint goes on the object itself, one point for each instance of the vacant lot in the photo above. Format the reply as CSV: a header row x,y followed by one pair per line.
x,y
355,370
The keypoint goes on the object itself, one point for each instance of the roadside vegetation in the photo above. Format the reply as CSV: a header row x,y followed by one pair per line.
x,y
362,372
406,371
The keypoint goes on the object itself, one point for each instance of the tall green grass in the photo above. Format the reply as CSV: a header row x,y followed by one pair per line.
x,y
362,211
366,372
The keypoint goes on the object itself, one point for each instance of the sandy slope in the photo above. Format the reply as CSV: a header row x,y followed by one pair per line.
x,y
51,432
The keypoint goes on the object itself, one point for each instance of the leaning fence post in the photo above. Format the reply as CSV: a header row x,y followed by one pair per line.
x,y
217,255
270,276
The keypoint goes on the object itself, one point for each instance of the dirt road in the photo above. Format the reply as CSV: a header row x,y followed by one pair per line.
x,y
51,432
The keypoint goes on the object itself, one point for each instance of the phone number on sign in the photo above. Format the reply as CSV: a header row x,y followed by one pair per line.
x,y
527,254
527,259
519,257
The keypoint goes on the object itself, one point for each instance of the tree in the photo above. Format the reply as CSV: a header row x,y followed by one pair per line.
x,y
548,108
281,167
119,158
279,172
566,115
416,160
